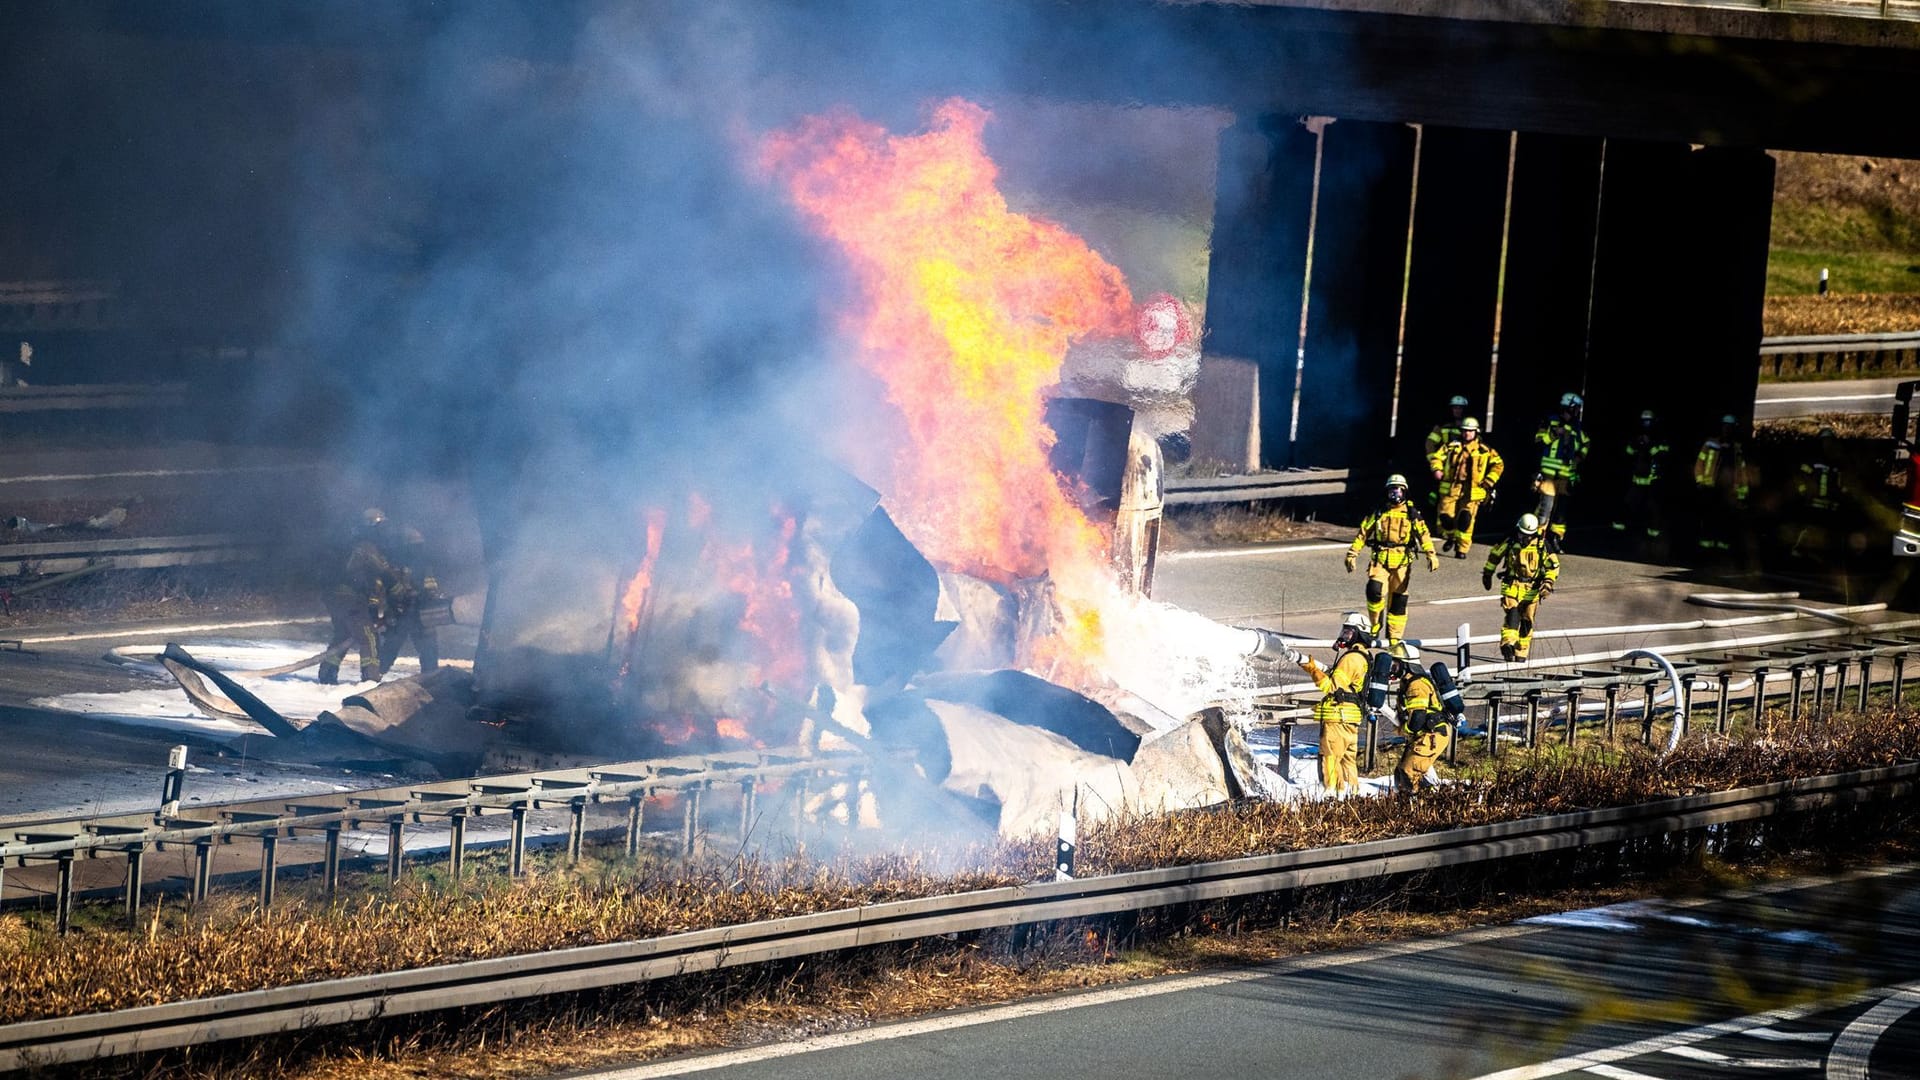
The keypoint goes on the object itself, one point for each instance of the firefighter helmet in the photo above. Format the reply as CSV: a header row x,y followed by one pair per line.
x,y
1646,416
1396,481
1355,631
1459,401
1396,489
1528,525
1405,652
1469,424
373,516
1729,419
1570,400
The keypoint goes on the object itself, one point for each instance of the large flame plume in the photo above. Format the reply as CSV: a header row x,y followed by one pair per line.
x,y
967,311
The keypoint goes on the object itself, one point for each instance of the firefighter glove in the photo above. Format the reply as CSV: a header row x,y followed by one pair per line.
x,y
1486,579
1433,561
1352,558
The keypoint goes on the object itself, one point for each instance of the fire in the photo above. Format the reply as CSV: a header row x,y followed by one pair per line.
x,y
968,311
633,599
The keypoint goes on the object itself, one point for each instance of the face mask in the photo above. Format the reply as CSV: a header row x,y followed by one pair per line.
x,y
1396,496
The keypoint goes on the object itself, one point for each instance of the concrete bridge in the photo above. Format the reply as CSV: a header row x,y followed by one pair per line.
x,y
1587,172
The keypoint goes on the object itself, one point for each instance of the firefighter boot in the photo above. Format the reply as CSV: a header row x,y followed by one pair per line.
x,y
329,673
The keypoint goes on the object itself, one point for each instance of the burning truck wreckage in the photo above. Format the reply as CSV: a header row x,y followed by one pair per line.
x,y
959,595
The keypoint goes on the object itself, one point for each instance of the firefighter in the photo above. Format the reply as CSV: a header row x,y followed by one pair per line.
x,y
1721,478
357,601
1528,567
1394,532
1638,518
1466,470
412,586
1562,446
1338,711
1818,490
1422,720
1444,432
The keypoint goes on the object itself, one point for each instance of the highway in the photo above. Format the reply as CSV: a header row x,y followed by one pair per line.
x,y
1778,401
1798,980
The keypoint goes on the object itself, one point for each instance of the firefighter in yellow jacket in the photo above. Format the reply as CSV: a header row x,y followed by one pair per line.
x,y
1338,712
1394,532
1528,567
1422,720
1720,475
1562,445
1465,469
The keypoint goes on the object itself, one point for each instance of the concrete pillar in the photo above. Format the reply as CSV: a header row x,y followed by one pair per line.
x,y
1646,311
1549,279
1353,309
1244,399
1453,281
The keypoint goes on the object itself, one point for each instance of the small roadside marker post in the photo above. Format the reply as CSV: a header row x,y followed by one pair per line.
x,y
1063,850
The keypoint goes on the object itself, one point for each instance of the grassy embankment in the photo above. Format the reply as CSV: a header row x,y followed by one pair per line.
x,y
231,946
1858,218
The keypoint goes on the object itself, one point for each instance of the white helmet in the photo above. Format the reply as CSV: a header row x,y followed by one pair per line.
x,y
1570,400
1470,424
1459,401
1357,620
1405,652
1528,524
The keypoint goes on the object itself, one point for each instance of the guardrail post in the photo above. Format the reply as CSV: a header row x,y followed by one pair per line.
x,y
749,796
689,821
202,860
1797,672
636,811
1613,708
517,841
1819,697
457,844
1866,680
1840,684
63,899
135,857
1573,713
1493,723
1720,706
576,828
1759,694
1370,735
1652,691
1533,719
269,860
1899,678
396,850
330,872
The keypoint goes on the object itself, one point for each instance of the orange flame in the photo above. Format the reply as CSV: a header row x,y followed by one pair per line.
x,y
634,598
969,309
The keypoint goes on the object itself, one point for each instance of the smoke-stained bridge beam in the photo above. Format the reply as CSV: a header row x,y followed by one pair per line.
x,y
1264,200
1453,280
1353,304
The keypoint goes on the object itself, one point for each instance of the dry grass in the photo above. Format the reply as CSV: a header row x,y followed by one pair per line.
x,y
1191,528
230,946
1842,314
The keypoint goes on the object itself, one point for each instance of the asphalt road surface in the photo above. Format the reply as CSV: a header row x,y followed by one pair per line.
x,y
1797,981
1778,401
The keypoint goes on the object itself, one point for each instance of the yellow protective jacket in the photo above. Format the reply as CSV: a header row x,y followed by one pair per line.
x,y
1444,432
1418,695
1722,464
1394,534
1562,446
1820,486
1525,563
1474,465
1345,687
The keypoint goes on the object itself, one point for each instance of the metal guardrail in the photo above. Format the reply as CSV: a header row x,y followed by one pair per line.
x,y
1291,483
124,553
267,822
304,1007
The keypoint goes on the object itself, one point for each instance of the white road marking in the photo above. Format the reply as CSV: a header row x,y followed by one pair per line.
x,y
149,631
53,478
1465,599
1234,553
1019,1010
1853,1050
1614,1072
1826,397
1776,1035
1695,1053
